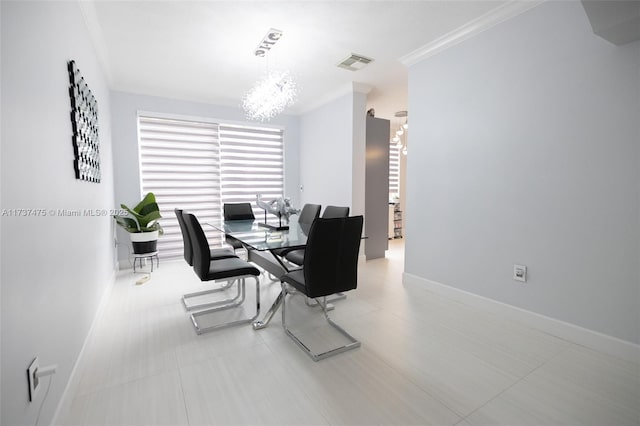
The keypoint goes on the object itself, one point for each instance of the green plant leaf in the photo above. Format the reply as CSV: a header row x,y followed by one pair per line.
x,y
144,216
148,199
127,223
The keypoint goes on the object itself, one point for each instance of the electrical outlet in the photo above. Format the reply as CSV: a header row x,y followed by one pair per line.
x,y
33,379
520,273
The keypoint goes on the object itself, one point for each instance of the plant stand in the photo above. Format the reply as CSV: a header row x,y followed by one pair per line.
x,y
150,256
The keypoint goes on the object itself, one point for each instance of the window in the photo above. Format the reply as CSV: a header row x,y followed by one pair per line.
x,y
252,163
394,171
197,165
179,164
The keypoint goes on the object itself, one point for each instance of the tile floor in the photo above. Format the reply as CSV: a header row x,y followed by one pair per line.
x,y
424,360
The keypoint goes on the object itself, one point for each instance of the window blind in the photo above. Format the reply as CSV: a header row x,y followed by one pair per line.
x,y
394,170
179,163
251,163
197,166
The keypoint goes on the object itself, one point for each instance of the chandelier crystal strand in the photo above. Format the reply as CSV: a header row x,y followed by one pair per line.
x,y
270,96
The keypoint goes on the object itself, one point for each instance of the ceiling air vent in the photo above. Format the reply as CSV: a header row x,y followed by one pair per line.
x,y
355,62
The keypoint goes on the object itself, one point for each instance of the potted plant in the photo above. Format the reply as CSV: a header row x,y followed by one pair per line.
x,y
142,224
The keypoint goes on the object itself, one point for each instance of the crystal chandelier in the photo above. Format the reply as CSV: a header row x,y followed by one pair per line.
x,y
274,92
270,96
402,130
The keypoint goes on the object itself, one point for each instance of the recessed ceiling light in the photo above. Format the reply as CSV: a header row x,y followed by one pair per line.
x,y
354,62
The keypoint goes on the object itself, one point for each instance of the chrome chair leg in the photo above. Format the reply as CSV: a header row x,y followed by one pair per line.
x,y
225,286
241,285
337,296
353,342
312,303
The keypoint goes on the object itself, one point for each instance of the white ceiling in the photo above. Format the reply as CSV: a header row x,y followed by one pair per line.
x,y
203,50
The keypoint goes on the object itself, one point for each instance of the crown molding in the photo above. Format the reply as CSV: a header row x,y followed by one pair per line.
x,y
500,14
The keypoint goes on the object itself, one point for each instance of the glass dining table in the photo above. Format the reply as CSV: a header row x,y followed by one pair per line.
x,y
262,243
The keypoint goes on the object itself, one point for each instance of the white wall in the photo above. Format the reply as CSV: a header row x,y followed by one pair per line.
x,y
359,159
332,153
125,107
55,270
525,149
326,153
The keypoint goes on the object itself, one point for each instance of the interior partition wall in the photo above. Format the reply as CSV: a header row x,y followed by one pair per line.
x,y
526,152
376,188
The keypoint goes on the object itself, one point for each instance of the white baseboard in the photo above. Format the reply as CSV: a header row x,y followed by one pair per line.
x,y
610,345
64,406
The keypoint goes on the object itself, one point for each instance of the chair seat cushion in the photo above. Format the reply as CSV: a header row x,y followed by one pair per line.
x,y
295,279
221,253
230,267
295,256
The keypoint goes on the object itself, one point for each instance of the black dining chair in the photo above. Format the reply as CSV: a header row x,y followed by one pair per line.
x,y
335,211
237,211
214,253
296,256
232,269
330,266
307,215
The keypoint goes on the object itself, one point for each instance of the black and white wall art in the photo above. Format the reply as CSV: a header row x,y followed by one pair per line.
x,y
84,119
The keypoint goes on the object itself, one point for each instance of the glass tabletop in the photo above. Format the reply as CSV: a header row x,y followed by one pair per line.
x,y
258,237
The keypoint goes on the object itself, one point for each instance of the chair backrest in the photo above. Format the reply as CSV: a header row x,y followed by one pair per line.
x,y
335,211
199,244
238,211
331,255
309,213
186,239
